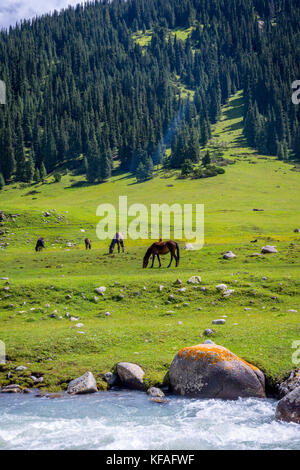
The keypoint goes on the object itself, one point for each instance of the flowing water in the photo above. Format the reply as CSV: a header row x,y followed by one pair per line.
x,y
129,420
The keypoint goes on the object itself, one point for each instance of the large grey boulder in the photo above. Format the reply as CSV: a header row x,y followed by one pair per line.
x,y
84,384
211,371
131,375
290,384
288,409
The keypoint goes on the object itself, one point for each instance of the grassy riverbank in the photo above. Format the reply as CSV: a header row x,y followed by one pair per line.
x,y
143,327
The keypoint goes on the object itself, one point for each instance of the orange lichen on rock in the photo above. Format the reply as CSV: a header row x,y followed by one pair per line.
x,y
211,352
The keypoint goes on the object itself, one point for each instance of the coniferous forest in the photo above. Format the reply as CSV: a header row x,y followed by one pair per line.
x,y
81,91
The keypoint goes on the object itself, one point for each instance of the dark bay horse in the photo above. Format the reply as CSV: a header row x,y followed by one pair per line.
x,y
40,244
88,244
119,240
162,248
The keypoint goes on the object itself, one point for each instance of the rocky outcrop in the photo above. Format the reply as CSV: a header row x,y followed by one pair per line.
x,y
290,384
211,371
84,384
131,375
288,409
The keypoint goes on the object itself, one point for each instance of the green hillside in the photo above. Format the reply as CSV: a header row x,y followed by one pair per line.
x,y
143,327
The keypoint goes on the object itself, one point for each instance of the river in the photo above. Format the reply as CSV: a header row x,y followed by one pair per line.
x,y
129,420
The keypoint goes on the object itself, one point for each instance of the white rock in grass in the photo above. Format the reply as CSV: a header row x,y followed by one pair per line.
x,y
268,250
221,287
195,280
79,325
189,247
229,255
100,290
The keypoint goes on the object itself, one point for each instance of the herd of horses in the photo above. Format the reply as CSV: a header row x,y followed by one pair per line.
x,y
156,250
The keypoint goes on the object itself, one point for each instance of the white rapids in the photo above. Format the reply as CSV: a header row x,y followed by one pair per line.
x,y
121,420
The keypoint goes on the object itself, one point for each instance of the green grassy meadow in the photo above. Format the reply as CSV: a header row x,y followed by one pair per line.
x,y
144,326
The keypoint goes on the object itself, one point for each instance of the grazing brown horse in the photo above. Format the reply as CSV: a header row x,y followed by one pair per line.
x,y
88,244
162,248
40,244
119,240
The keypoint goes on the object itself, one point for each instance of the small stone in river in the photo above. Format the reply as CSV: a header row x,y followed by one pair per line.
x,y
155,392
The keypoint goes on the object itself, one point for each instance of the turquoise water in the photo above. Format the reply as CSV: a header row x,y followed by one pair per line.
x,y
129,420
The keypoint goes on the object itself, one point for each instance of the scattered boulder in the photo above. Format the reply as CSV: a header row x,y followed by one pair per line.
x,y
219,322
288,409
161,288
100,290
37,380
84,384
290,384
111,379
297,230
155,392
12,388
208,341
228,293
268,250
131,375
208,332
178,282
229,255
221,287
195,280
20,368
211,371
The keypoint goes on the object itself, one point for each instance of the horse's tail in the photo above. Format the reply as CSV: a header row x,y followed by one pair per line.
x,y
178,252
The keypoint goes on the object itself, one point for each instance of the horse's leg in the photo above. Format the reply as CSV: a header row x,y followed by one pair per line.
x,y
153,258
158,257
171,260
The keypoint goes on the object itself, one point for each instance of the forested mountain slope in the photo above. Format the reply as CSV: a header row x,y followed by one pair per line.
x,y
82,90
